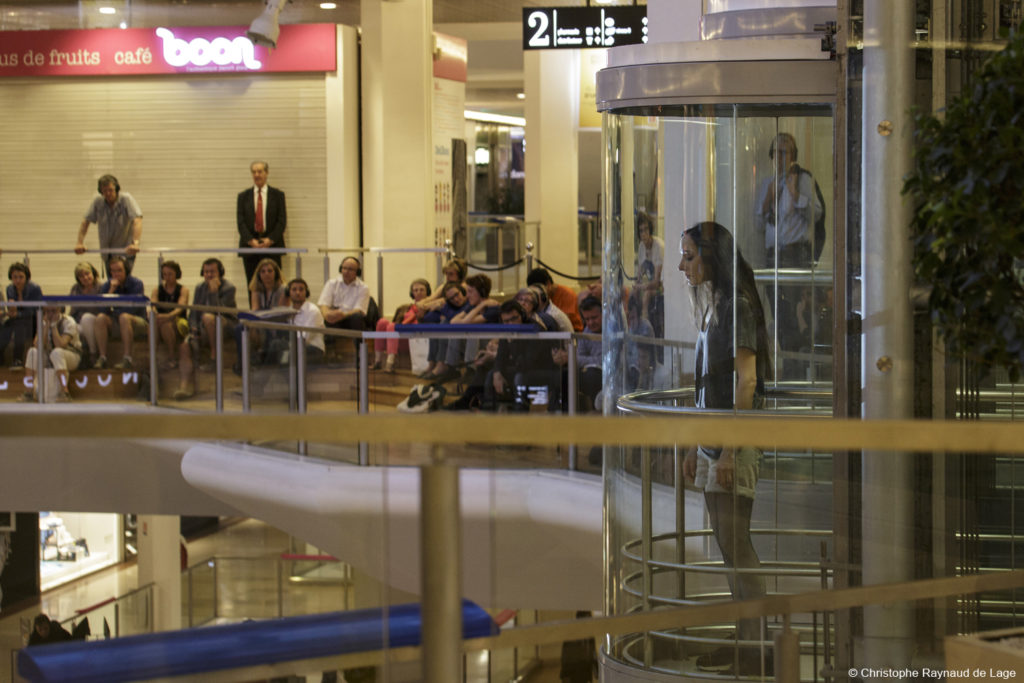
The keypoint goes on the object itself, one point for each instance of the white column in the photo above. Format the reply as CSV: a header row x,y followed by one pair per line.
x,y
160,564
552,173
397,81
342,92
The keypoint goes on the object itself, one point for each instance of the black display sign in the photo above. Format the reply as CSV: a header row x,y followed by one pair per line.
x,y
560,28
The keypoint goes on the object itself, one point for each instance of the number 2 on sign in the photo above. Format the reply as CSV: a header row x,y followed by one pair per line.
x,y
539,20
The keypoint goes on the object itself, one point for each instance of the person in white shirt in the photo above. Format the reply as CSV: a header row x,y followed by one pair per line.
x,y
345,299
308,315
61,347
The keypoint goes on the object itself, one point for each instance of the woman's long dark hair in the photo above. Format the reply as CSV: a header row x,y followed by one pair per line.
x,y
716,248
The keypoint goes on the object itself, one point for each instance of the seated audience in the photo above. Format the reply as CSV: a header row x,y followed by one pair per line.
x,y
529,299
307,315
345,300
588,361
593,289
560,295
478,309
170,299
517,361
561,320
120,322
454,295
19,323
61,347
87,283
266,291
454,272
639,356
408,314
214,290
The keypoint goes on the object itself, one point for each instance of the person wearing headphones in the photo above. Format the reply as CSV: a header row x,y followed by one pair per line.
x,y
118,217
120,322
307,315
788,207
214,290
345,299
791,213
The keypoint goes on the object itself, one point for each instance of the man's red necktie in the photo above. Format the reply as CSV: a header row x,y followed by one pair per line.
x,y
259,211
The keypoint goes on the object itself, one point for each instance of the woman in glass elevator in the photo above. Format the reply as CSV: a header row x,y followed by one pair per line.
x,y
723,290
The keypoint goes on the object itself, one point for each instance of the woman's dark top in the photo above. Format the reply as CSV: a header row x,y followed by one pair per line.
x,y
164,296
714,383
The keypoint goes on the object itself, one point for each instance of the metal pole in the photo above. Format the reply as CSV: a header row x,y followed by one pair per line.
x,y
327,268
646,543
380,280
293,344
501,259
364,398
439,257
887,367
298,265
441,579
39,382
280,587
246,380
154,376
571,369
219,343
300,373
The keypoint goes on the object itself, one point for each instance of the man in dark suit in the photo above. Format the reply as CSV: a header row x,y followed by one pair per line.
x,y
262,218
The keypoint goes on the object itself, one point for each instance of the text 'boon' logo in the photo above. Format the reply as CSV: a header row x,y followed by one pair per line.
x,y
202,52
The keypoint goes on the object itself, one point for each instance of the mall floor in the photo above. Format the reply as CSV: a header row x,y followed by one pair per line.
x,y
250,574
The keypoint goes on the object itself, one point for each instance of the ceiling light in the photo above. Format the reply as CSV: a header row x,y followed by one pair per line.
x,y
264,28
520,96
123,24
328,5
108,10
494,118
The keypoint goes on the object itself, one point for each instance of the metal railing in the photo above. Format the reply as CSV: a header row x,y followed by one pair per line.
x,y
126,615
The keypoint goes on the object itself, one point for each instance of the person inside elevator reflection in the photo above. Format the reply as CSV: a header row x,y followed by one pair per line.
x,y
118,217
262,217
791,212
728,476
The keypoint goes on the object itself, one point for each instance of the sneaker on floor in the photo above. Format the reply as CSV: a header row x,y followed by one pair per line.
x,y
100,363
17,366
27,397
64,397
182,394
125,364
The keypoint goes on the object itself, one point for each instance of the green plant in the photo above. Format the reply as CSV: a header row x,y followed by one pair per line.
x,y
968,226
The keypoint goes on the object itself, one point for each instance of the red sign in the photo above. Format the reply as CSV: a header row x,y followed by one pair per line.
x,y
175,50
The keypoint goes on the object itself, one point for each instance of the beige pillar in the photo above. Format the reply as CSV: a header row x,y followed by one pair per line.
x,y
397,80
552,173
160,564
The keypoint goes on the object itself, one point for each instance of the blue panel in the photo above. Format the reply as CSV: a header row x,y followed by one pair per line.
x,y
472,327
179,653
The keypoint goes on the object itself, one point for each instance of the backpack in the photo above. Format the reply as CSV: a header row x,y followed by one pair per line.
x,y
372,314
819,225
423,398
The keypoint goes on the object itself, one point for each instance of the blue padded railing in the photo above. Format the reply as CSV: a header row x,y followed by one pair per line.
x,y
254,643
